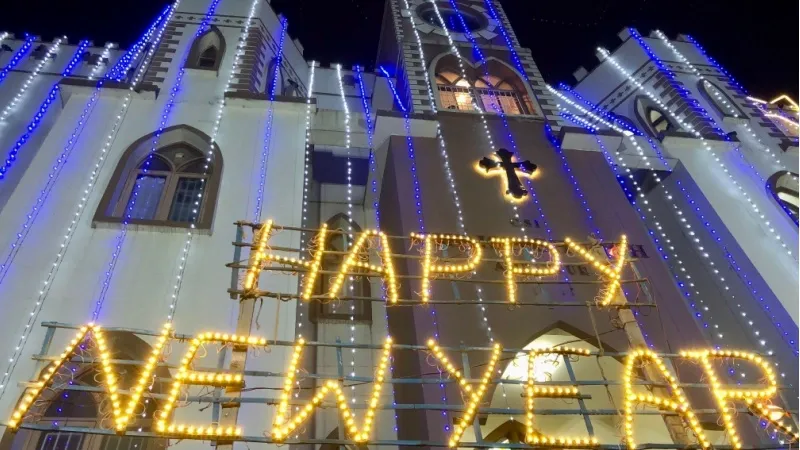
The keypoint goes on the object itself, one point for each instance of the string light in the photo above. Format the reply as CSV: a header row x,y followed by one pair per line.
x,y
17,57
47,282
49,56
154,143
283,425
109,373
532,391
100,64
613,272
257,256
270,115
680,216
474,394
209,159
306,178
677,402
50,180
120,69
11,158
691,129
429,268
185,376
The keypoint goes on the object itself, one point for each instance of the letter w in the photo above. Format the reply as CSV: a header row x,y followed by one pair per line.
x,y
121,416
282,426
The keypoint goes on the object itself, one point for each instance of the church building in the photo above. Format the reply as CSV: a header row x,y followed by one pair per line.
x,y
211,240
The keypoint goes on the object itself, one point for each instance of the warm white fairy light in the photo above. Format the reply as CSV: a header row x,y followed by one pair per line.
x,y
679,214
306,181
703,142
98,68
48,57
220,110
47,282
710,87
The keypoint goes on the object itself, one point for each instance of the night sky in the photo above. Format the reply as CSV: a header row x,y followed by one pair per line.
x,y
758,45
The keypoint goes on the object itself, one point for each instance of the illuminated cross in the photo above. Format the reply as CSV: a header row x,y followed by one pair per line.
x,y
503,162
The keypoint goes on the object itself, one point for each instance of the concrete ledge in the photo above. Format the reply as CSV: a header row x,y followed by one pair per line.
x,y
83,86
683,140
247,99
579,138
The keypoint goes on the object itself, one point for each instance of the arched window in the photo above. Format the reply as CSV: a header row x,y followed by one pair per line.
x,y
652,118
783,186
501,91
207,50
174,186
721,101
341,309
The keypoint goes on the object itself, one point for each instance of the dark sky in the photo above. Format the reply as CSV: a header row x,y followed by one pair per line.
x,y
757,44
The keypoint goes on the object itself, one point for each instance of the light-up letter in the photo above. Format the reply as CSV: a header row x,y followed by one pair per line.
x,y
187,377
429,268
474,394
354,259
532,391
756,399
512,269
257,256
677,402
283,425
612,272
109,377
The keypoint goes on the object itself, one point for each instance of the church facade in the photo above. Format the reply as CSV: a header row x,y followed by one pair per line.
x,y
599,247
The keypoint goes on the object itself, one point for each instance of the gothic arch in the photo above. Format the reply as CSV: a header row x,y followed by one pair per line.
x,y
506,87
719,99
653,118
334,434
170,141
208,50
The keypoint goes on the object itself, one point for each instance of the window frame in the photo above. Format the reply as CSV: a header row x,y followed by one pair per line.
x,y
476,93
120,185
201,44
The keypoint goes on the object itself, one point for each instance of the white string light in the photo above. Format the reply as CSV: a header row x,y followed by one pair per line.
x,y
703,142
23,50
710,87
351,287
306,179
47,282
218,113
270,116
98,68
48,57
678,212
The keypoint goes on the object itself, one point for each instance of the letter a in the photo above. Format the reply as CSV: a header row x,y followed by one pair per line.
x,y
121,417
475,393
613,272
677,402
756,399
282,426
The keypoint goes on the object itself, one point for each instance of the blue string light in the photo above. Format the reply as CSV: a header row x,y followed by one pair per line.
x,y
165,114
120,69
420,219
16,58
723,248
11,157
268,134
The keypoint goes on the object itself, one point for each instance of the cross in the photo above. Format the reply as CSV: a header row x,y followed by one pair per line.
x,y
504,162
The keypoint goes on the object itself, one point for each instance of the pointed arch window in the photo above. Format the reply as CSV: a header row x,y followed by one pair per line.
x,y
653,118
175,186
784,189
721,101
501,91
207,50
